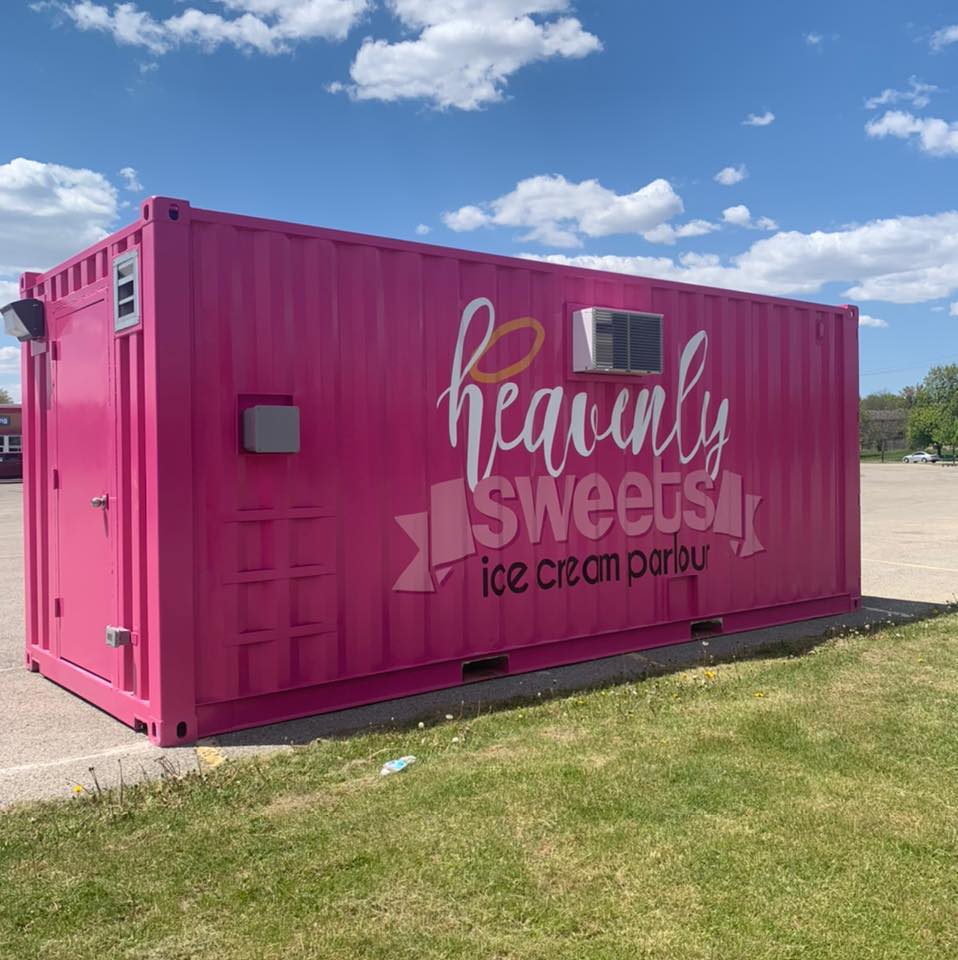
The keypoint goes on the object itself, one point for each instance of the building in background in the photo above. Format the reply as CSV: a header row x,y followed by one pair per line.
x,y
11,452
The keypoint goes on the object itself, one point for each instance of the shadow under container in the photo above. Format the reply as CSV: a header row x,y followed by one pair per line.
x,y
275,470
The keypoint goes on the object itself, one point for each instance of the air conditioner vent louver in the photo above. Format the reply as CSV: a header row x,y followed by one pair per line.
x,y
126,291
616,341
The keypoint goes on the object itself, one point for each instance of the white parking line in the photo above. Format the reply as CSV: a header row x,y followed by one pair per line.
x,y
888,613
112,752
917,566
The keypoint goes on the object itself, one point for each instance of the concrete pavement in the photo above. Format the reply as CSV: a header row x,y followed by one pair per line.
x,y
909,525
50,739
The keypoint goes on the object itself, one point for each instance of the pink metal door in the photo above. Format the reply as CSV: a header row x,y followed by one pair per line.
x,y
85,558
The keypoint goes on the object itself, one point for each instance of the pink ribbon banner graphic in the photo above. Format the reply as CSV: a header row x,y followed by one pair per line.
x,y
445,534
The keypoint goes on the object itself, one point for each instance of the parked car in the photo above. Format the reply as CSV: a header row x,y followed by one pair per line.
x,y
920,457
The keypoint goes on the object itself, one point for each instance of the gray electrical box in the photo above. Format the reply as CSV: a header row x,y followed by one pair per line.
x,y
271,429
118,636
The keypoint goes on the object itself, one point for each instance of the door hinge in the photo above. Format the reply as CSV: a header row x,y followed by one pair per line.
x,y
57,607
56,479
118,636
54,349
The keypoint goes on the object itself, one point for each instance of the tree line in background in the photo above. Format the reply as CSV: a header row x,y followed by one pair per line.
x,y
925,415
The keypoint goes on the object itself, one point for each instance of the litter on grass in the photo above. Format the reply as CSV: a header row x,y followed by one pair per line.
x,y
396,766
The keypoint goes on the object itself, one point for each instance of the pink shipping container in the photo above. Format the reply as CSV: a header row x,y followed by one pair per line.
x,y
275,470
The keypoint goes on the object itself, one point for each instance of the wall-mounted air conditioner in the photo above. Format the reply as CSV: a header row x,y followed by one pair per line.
x,y
616,341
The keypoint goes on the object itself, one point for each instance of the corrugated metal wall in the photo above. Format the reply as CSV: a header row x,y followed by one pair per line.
x,y
297,556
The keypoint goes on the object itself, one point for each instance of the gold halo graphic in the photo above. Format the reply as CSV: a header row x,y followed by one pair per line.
x,y
497,376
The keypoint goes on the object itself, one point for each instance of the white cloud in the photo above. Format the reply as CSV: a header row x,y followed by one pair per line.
x,y
729,176
918,93
556,211
422,229
814,39
9,290
741,216
945,36
738,215
935,136
953,309
759,120
462,55
466,218
666,233
266,26
131,180
49,211
899,260
9,359
864,320
465,51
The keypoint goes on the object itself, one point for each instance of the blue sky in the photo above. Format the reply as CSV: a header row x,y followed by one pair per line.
x,y
586,132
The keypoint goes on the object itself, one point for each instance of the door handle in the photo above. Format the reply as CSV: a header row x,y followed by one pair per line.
x,y
100,502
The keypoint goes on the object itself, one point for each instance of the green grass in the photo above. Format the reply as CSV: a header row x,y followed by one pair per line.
x,y
788,807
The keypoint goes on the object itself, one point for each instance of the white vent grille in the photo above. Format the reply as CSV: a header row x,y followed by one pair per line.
x,y
616,341
126,291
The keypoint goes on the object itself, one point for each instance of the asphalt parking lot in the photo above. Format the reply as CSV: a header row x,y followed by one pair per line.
x,y
50,739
